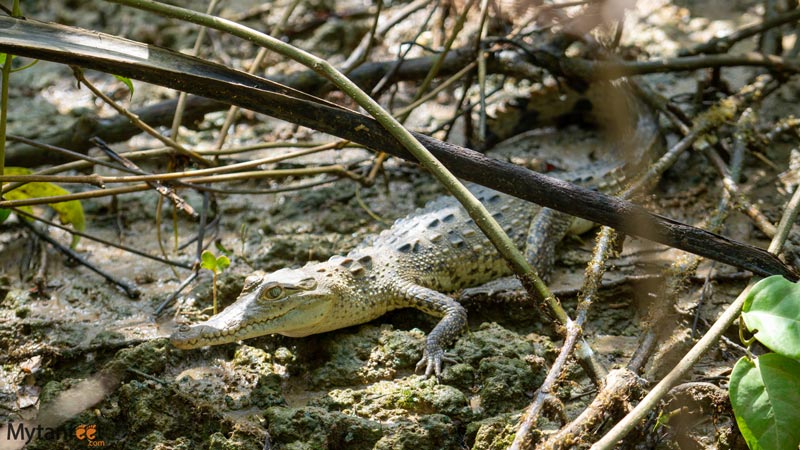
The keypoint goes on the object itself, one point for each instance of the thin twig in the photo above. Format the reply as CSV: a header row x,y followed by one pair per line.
x,y
133,118
359,55
233,111
483,29
724,43
101,240
131,290
164,191
609,70
592,279
181,106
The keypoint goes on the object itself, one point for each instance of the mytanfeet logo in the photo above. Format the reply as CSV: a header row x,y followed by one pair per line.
x,y
88,433
18,434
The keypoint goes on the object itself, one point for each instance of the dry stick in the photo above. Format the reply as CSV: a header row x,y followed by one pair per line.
x,y
101,179
102,241
402,51
608,70
723,44
296,187
159,238
233,111
181,106
195,267
593,277
135,120
360,53
482,73
437,65
263,146
732,189
76,196
784,125
336,168
164,191
87,160
770,39
131,290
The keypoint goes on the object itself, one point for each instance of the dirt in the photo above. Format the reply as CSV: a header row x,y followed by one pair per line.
x,y
79,354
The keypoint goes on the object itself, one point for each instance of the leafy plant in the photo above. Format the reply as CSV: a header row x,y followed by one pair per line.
x,y
69,212
127,81
216,265
765,390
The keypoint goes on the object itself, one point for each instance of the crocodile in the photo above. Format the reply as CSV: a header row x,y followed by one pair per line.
x,y
435,250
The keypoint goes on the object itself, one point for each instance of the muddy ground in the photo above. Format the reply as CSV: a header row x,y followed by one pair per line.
x,y
77,353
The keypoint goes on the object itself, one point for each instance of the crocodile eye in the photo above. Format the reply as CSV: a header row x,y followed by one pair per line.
x,y
274,292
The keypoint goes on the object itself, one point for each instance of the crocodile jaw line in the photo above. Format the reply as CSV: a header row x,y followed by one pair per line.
x,y
246,319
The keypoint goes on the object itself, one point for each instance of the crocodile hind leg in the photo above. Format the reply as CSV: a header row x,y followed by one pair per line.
x,y
546,230
454,319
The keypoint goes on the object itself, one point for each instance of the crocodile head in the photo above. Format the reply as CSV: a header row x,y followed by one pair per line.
x,y
292,302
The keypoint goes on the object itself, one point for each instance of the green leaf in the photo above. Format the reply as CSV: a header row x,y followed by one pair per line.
x,y
127,82
764,395
213,263
70,212
3,57
221,248
772,307
208,261
4,213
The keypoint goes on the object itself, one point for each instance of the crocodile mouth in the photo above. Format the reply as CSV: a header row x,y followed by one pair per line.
x,y
246,320
204,333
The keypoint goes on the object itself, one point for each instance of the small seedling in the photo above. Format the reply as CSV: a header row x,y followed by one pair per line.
x,y
216,265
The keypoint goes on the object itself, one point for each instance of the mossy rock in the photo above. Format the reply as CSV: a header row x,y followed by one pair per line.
x,y
315,428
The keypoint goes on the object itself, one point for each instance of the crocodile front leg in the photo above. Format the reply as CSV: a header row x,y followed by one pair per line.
x,y
454,319
546,230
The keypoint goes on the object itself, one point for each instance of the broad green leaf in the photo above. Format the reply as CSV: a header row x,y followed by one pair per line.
x,y
765,395
213,263
223,262
208,261
127,82
3,57
70,212
772,307
4,213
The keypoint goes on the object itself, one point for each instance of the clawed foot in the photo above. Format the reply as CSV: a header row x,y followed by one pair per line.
x,y
433,361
